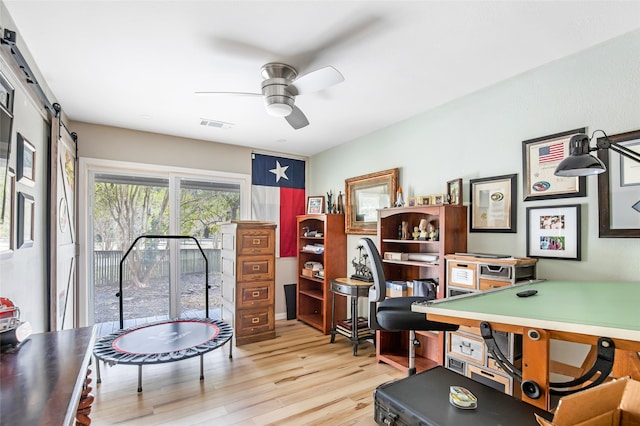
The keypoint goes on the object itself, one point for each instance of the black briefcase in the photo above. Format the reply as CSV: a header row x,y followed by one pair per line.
x,y
423,399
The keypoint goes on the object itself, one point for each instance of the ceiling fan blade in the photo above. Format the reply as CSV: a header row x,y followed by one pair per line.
x,y
317,80
297,119
227,93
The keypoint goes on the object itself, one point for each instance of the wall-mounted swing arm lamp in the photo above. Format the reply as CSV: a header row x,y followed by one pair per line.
x,y
581,163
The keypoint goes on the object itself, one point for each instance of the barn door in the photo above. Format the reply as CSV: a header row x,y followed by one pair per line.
x,y
63,258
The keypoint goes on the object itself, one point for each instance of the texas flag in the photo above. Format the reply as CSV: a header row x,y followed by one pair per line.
x,y
278,195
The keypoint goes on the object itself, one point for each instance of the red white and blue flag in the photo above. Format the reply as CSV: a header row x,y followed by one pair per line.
x,y
278,195
553,152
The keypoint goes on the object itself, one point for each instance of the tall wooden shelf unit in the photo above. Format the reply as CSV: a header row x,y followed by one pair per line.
x,y
451,220
314,293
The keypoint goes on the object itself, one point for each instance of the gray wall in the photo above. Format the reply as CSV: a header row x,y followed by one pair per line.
x,y
481,135
113,143
23,271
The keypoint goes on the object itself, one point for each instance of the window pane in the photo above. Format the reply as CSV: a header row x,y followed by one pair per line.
x,y
125,208
203,204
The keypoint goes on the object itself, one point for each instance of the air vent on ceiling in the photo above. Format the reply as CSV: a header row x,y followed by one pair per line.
x,y
215,123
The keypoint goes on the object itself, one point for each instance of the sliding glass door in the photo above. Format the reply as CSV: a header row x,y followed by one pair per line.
x,y
161,277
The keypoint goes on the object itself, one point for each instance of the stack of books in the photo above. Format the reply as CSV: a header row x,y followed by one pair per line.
x,y
344,328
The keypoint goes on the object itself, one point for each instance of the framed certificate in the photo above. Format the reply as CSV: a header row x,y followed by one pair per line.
x,y
493,204
540,157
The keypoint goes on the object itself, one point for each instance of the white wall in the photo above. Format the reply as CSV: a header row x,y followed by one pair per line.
x,y
481,135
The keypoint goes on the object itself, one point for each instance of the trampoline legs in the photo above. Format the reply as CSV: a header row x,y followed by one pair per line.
x,y
202,367
98,380
140,378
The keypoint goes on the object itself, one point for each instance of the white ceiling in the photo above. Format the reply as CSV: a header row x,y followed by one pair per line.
x,y
136,64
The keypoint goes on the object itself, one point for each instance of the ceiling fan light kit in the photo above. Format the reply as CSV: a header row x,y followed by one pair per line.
x,y
278,107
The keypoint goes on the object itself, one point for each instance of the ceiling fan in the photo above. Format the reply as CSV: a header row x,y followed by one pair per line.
x,y
281,85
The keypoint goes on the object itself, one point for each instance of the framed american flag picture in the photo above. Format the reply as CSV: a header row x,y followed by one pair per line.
x,y
540,157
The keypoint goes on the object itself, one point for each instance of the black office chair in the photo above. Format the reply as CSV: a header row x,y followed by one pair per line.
x,y
394,313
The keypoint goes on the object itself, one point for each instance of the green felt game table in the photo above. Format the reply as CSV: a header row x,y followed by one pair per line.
x,y
576,311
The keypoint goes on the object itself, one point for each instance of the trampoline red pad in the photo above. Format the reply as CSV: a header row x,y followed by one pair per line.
x,y
164,341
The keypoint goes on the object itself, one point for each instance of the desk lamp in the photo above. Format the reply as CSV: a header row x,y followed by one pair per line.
x,y
581,163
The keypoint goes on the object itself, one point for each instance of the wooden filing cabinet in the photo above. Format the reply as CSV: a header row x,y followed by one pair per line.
x,y
248,279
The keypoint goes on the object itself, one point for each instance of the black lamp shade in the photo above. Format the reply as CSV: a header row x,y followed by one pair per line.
x,y
579,162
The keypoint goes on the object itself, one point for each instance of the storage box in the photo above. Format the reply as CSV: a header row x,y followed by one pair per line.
x,y
397,289
615,403
308,272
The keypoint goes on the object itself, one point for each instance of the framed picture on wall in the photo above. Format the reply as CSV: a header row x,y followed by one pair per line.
x,y
554,232
26,162
493,204
540,157
26,220
618,189
365,195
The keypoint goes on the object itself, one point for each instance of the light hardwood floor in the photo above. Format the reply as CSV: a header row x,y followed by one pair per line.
x,y
298,378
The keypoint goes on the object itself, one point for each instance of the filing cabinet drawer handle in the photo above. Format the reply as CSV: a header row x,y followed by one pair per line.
x,y
255,320
255,294
256,267
465,348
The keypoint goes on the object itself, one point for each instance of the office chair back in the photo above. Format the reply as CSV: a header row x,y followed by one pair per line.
x,y
377,292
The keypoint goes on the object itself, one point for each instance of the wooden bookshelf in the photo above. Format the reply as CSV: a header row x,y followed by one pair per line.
x,y
314,291
451,221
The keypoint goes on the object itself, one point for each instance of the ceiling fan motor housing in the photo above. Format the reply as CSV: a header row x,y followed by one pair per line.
x,y
278,100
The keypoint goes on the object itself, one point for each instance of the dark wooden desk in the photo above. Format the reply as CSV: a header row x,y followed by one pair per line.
x,y
41,382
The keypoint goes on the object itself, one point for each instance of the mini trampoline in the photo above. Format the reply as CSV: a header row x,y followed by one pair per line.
x,y
163,341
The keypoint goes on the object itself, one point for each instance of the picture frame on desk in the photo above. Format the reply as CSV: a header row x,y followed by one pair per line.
x,y
315,204
454,192
618,186
540,158
554,232
423,200
438,199
493,204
